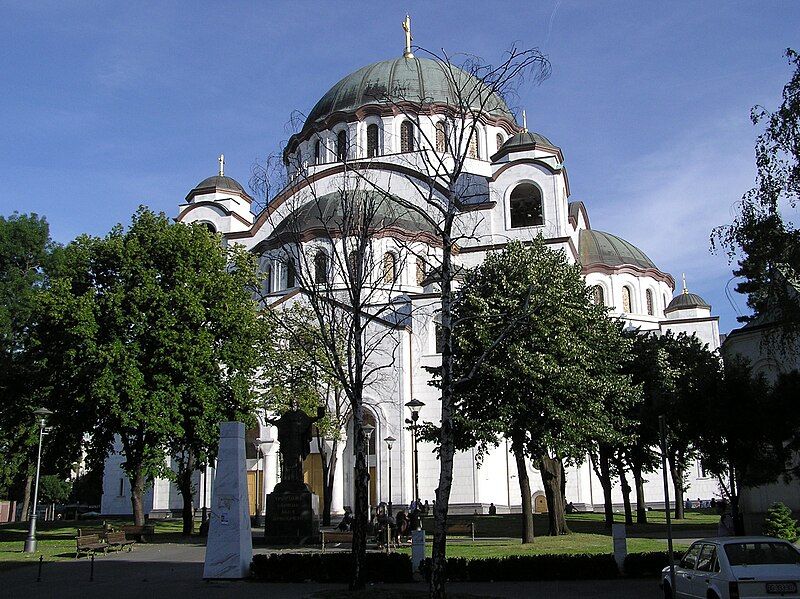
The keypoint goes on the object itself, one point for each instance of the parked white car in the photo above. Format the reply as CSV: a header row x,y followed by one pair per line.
x,y
736,568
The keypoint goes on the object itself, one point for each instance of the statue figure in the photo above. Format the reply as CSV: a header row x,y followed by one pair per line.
x,y
294,436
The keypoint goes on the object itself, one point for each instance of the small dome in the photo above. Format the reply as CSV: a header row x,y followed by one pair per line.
x,y
221,182
598,247
687,301
524,139
417,80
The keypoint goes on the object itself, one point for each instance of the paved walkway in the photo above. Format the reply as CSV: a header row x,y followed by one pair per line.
x,y
174,571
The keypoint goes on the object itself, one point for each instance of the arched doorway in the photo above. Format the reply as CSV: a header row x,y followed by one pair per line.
x,y
539,503
373,460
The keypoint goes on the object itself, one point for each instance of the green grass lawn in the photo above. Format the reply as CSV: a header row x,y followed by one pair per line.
x,y
704,522
56,540
571,544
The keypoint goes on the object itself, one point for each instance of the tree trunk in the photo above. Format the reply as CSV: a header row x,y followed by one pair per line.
x,y
517,445
552,470
563,482
26,496
736,514
360,508
328,475
184,482
638,482
677,487
447,448
626,491
137,495
604,474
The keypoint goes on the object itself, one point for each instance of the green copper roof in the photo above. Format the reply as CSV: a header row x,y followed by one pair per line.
x,y
327,212
221,182
412,79
686,301
598,247
526,138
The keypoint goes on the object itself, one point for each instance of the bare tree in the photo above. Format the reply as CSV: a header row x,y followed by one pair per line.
x,y
332,246
443,192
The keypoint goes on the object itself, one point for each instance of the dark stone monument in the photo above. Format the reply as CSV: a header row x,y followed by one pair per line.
x,y
292,510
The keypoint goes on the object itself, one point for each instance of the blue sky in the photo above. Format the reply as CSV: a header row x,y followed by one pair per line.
x,y
106,105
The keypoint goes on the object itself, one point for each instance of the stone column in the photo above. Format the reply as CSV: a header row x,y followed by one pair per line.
x,y
229,549
337,496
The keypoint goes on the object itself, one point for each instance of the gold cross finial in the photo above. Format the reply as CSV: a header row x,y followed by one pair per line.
x,y
683,276
407,28
221,165
524,120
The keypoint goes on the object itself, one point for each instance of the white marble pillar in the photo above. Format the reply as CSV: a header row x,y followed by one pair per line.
x,y
337,494
229,549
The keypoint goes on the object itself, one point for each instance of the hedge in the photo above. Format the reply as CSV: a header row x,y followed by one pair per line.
x,y
329,567
529,567
642,565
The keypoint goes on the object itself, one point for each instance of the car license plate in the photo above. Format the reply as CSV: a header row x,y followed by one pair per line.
x,y
781,587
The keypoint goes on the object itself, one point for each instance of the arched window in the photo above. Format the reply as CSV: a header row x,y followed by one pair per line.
x,y
499,141
438,333
406,136
441,137
598,296
268,279
389,267
626,299
353,263
372,140
648,296
321,267
209,226
472,150
421,271
317,154
341,145
526,206
290,274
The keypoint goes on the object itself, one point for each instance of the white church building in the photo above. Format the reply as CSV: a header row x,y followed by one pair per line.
x,y
526,192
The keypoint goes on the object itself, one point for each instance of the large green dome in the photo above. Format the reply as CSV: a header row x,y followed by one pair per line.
x,y
599,247
413,79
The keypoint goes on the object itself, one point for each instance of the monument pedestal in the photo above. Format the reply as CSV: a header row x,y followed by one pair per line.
x,y
292,515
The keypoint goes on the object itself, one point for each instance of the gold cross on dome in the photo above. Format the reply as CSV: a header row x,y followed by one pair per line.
x,y
221,160
407,29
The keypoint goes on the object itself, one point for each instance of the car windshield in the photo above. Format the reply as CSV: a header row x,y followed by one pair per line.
x,y
761,552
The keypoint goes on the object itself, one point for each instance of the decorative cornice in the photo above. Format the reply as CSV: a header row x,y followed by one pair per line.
x,y
388,109
499,246
535,162
272,243
688,320
215,205
631,270
198,191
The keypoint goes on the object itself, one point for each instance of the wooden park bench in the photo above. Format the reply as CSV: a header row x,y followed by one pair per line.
x,y
462,528
335,536
119,540
139,533
89,544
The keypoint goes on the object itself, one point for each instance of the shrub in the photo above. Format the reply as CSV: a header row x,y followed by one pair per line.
x,y
528,568
329,567
779,523
641,565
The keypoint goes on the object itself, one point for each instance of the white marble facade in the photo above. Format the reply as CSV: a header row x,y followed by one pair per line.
x,y
524,192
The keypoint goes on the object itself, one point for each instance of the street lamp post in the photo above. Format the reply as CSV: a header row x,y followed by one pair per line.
x,y
368,430
257,443
389,441
415,405
30,542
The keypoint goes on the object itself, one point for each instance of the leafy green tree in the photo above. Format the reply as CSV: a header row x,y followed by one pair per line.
x,y
762,234
295,358
152,334
54,489
646,368
743,428
531,358
779,523
25,250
